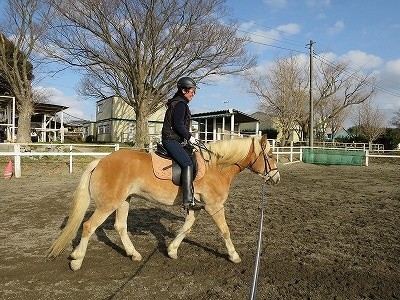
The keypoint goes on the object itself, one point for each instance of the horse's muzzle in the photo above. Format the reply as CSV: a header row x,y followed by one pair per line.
x,y
273,177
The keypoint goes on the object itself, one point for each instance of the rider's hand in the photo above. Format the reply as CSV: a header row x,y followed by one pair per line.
x,y
192,140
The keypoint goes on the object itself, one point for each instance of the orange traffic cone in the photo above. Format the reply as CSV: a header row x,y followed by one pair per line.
x,y
8,171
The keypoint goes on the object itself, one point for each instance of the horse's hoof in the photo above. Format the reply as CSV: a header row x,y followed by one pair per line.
x,y
75,264
235,258
136,257
173,255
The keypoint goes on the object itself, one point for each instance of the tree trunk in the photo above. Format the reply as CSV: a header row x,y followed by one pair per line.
x,y
142,138
25,112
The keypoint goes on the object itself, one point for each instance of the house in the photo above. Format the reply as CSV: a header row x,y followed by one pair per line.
x,y
47,121
221,124
267,122
116,121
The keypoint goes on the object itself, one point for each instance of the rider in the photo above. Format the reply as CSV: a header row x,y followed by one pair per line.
x,y
175,134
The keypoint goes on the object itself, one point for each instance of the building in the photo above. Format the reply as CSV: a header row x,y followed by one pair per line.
x,y
116,121
47,121
222,124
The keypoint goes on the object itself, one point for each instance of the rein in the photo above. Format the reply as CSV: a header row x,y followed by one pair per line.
x,y
267,166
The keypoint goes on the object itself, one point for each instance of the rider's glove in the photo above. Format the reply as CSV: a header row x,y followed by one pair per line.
x,y
192,140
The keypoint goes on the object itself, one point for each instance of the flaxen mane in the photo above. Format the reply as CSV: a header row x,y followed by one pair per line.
x,y
228,152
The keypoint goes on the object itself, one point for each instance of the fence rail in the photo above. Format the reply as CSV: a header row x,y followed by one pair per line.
x,y
16,152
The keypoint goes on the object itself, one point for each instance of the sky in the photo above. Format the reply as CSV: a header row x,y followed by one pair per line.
x,y
366,32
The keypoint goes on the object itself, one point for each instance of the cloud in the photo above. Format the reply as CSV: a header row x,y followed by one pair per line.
x,y
313,3
338,27
393,68
275,3
76,108
363,60
291,28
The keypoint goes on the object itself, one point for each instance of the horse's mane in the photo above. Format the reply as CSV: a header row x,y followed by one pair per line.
x,y
229,152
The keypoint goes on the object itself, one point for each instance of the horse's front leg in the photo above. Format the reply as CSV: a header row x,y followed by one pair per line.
x,y
121,226
182,233
218,215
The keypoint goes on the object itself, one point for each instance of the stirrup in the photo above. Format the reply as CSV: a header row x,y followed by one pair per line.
x,y
193,205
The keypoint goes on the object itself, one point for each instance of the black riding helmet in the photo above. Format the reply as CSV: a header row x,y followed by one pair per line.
x,y
186,83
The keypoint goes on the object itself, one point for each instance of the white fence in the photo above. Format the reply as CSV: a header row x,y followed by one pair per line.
x,y
15,152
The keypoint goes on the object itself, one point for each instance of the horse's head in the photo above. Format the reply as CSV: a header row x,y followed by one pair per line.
x,y
263,162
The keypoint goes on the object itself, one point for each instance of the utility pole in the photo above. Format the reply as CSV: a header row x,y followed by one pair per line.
x,y
311,127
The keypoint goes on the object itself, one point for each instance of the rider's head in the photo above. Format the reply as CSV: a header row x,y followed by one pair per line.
x,y
187,86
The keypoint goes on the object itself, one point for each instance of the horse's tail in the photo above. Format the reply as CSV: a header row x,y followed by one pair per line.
x,y
79,206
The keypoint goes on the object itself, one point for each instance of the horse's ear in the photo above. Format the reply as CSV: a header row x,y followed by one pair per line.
x,y
264,141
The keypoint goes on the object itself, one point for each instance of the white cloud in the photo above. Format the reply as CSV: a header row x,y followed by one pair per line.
x,y
363,60
313,3
393,68
291,28
276,3
77,108
338,27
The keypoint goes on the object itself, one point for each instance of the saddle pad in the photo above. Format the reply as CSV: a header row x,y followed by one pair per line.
x,y
162,167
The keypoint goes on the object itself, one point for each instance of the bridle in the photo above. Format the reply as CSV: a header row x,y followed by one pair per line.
x,y
267,165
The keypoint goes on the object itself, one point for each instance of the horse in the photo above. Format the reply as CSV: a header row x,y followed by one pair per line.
x,y
112,181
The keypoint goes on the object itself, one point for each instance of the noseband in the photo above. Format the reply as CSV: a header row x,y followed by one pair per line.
x,y
267,165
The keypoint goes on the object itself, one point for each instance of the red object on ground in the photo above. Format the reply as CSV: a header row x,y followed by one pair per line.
x,y
8,171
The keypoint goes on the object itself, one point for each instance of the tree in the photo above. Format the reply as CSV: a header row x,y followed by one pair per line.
x,y
282,91
396,119
24,23
138,49
338,87
371,121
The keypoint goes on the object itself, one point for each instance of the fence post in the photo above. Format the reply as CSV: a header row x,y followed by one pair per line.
x,y
17,160
291,151
301,153
70,159
366,158
277,154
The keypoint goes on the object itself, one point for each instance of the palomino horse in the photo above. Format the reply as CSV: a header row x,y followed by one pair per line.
x,y
123,174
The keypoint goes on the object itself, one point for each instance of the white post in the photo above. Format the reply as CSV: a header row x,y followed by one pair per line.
x,y
17,160
258,128
205,130
223,127
214,129
291,151
70,159
232,125
62,127
366,158
44,130
13,122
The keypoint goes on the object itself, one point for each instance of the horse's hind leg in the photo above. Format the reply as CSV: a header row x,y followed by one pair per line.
x,y
121,226
89,227
219,219
182,233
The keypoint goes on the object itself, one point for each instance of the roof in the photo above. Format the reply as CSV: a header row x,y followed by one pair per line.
x,y
240,117
46,108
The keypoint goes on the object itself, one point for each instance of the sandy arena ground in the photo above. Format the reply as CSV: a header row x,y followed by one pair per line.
x,y
330,232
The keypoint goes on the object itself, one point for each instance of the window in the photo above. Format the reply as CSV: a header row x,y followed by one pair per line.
x,y
104,128
99,108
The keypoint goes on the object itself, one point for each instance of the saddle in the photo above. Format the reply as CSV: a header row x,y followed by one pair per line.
x,y
167,169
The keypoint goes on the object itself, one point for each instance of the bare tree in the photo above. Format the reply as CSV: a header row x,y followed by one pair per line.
x,y
22,25
337,88
396,119
371,121
282,91
137,49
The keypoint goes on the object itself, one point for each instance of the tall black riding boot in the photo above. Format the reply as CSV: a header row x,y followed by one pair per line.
x,y
188,201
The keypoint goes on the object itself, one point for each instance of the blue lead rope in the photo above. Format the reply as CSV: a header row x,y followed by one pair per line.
x,y
257,258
